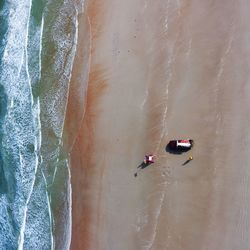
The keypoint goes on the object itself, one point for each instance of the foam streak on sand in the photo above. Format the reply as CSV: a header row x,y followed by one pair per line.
x,y
156,219
68,240
20,134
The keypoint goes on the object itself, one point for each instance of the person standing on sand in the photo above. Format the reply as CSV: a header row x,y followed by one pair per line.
x,y
190,158
149,159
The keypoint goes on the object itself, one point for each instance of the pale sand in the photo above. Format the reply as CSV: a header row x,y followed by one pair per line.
x,y
161,70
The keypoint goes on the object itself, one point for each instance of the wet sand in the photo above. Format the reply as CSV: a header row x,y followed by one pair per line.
x,y
155,71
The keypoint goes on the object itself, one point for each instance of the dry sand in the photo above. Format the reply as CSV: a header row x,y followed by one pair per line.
x,y
158,70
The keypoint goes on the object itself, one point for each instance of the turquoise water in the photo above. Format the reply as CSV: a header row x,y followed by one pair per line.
x,y
37,48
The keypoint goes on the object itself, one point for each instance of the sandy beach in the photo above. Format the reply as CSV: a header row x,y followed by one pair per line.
x,y
147,72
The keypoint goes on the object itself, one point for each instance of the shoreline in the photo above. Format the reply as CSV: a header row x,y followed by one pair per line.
x,y
83,121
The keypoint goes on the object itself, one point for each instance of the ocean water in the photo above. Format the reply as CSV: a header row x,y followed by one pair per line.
x,y
37,47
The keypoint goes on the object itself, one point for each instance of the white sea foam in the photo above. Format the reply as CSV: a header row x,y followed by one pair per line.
x,y
22,126
37,146
75,40
50,213
20,139
155,223
40,47
55,101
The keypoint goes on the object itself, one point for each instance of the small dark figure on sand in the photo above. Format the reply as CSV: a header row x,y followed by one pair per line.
x,y
148,160
190,158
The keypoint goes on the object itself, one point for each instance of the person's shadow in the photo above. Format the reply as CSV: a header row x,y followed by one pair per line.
x,y
141,167
186,162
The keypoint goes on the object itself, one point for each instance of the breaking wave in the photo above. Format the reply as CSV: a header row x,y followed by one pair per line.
x,y
37,47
